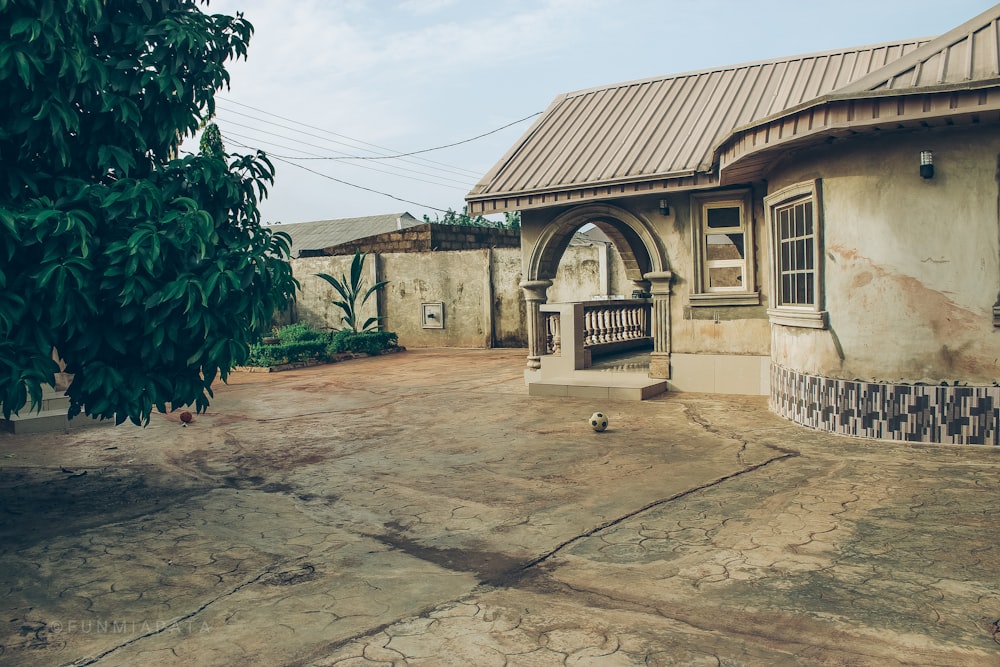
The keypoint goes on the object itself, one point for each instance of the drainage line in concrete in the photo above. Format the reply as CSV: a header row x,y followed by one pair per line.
x,y
677,496
173,624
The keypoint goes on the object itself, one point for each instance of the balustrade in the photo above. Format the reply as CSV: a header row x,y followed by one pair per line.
x,y
594,327
615,321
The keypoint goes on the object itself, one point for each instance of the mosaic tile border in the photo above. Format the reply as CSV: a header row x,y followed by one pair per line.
x,y
911,413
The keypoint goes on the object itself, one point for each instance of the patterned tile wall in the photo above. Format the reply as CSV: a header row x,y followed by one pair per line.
x,y
912,413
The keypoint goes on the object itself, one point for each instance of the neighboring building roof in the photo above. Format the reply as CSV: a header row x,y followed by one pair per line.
x,y
632,137
321,234
592,236
426,237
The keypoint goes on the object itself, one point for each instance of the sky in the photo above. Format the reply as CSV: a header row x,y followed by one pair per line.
x,y
326,80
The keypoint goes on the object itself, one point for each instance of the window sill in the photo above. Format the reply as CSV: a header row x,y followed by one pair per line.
x,y
715,299
808,319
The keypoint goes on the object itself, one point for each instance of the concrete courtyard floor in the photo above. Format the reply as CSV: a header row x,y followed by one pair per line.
x,y
420,509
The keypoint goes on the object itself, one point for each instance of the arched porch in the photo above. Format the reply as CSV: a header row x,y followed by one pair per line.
x,y
646,267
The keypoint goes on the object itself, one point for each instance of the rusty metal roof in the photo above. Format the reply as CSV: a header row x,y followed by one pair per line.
x,y
601,141
325,233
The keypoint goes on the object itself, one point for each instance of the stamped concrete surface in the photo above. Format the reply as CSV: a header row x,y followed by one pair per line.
x,y
420,509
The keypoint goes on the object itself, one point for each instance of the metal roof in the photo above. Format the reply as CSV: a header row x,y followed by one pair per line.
x,y
326,233
965,54
611,140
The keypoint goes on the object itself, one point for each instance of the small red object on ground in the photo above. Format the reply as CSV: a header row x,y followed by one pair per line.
x,y
187,417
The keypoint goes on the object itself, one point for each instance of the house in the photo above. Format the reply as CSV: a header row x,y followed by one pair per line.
x,y
821,229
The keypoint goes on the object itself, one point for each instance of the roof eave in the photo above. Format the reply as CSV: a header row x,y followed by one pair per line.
x,y
573,193
825,105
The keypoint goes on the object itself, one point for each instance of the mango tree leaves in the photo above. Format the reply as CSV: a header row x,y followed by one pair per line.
x,y
148,271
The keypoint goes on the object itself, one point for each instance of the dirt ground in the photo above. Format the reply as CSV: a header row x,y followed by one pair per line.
x,y
420,509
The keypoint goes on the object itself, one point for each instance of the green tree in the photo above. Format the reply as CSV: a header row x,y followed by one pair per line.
x,y
211,142
512,220
353,294
148,271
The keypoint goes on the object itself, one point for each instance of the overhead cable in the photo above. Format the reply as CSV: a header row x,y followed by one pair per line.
x,y
452,181
397,155
337,180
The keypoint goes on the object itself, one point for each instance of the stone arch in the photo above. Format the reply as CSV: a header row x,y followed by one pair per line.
x,y
636,242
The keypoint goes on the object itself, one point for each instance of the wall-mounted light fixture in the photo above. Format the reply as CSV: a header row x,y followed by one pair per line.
x,y
926,164
664,207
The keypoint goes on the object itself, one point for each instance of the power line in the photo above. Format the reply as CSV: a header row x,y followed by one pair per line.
x,y
387,157
457,143
337,180
349,159
342,156
361,166
361,187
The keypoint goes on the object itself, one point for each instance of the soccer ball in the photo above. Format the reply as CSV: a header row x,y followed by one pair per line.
x,y
599,421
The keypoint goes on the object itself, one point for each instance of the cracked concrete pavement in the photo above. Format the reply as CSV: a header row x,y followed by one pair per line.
x,y
420,509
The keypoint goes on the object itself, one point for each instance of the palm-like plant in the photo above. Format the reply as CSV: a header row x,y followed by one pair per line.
x,y
350,292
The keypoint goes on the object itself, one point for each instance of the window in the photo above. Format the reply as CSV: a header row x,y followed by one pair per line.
x,y
723,250
796,273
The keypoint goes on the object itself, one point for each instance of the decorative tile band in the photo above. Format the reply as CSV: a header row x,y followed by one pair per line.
x,y
912,413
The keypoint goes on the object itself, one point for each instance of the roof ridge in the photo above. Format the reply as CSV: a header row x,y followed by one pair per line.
x,y
922,54
351,219
921,41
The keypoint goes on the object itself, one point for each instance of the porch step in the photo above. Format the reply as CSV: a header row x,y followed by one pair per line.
x,y
52,417
598,384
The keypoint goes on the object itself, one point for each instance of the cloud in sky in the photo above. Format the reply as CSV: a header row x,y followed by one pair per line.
x,y
413,74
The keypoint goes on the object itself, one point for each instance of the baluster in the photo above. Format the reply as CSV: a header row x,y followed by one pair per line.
x,y
590,328
555,322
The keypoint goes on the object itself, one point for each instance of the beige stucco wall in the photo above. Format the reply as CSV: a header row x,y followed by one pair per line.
x,y
579,276
734,330
508,300
483,303
458,279
911,265
313,304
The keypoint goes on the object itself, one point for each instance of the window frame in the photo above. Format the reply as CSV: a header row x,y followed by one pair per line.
x,y
814,315
703,295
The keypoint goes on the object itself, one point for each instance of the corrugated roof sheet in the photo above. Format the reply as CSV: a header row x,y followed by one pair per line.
x,y
968,53
326,233
668,127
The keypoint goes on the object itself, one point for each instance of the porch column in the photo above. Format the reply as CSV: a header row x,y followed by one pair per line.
x,y
534,296
659,287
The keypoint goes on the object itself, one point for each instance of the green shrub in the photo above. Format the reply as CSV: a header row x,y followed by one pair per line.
x,y
297,332
286,353
297,342
367,342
